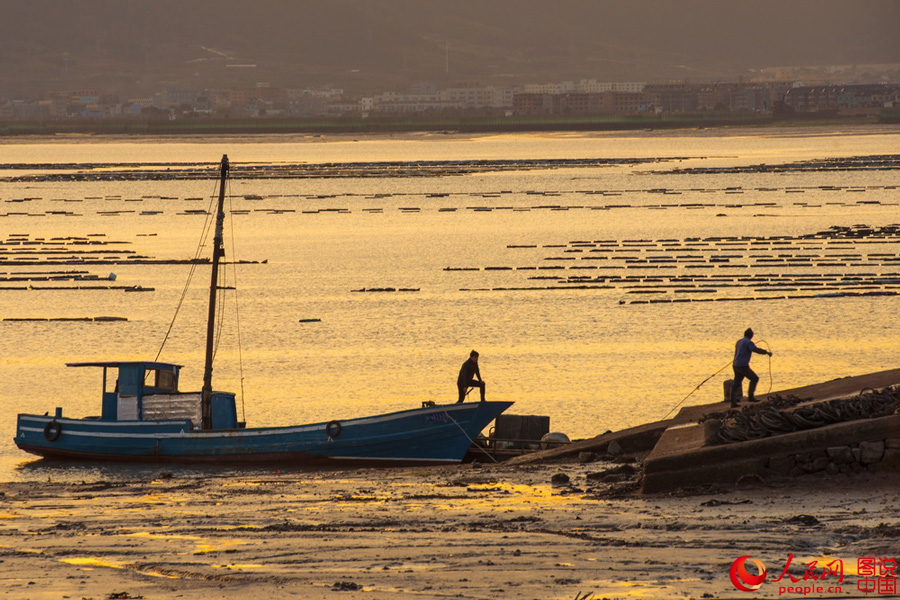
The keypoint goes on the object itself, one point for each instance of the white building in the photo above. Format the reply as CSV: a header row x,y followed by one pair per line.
x,y
592,86
565,87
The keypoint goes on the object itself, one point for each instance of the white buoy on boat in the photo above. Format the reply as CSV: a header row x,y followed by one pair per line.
x,y
553,439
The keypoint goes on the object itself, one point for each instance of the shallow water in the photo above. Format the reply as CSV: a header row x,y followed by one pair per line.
x,y
551,273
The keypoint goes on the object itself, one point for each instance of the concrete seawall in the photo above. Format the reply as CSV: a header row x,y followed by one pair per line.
x,y
676,453
680,458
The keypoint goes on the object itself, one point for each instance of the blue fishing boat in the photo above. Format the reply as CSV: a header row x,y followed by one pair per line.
x,y
146,418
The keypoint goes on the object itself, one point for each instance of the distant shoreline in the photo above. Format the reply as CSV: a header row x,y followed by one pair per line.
x,y
205,126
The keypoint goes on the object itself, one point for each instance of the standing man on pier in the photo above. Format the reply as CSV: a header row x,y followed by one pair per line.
x,y
469,376
743,350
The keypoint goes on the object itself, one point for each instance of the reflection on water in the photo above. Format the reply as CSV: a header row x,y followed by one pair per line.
x,y
538,270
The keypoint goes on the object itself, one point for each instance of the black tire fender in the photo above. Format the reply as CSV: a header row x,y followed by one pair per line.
x,y
333,429
52,431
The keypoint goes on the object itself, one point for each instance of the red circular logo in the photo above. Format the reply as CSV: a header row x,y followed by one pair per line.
x,y
742,579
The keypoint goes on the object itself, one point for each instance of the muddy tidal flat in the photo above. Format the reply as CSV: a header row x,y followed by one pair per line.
x,y
457,532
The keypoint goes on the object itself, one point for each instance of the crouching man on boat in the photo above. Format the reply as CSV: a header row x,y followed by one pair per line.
x,y
469,377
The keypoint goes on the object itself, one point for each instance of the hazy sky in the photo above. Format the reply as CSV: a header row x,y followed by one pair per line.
x,y
384,44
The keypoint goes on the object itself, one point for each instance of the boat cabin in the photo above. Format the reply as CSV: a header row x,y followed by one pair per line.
x,y
148,391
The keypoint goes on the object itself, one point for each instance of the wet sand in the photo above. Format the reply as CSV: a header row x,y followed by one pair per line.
x,y
496,531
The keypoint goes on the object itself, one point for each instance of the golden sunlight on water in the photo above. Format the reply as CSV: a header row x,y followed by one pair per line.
x,y
600,295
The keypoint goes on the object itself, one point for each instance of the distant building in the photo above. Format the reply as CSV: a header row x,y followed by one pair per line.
x,y
622,103
173,97
673,97
549,88
585,97
530,104
135,106
579,104
596,87
846,99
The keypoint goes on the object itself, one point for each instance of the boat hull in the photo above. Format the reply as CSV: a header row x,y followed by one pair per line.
x,y
428,435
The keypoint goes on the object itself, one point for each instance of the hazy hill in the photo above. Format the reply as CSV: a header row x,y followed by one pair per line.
x,y
132,47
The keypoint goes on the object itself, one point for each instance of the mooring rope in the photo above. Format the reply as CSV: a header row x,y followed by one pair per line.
x,y
471,441
725,366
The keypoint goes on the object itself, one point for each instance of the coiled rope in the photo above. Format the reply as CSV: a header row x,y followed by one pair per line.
x,y
780,415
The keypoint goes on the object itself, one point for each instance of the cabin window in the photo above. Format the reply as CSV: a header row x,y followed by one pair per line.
x,y
165,380
162,379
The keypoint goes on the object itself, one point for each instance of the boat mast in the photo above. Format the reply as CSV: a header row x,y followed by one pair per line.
x,y
217,255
